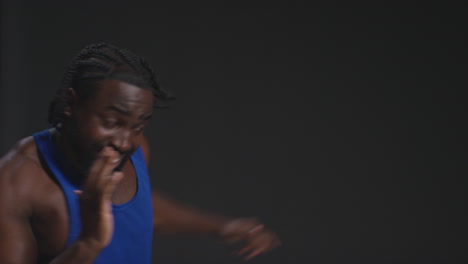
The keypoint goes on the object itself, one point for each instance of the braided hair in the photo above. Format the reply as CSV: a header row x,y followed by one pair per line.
x,y
99,62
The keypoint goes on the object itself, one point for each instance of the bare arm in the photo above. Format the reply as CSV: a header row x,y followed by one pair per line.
x,y
17,242
175,218
18,192
172,217
96,211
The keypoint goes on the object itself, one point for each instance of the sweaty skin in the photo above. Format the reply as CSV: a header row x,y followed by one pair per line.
x,y
98,135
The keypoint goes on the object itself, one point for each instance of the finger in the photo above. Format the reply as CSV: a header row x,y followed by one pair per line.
x,y
78,192
255,253
112,183
244,250
236,238
256,230
109,166
264,241
238,229
96,168
111,160
261,235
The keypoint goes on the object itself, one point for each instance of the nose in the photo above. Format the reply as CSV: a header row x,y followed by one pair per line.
x,y
122,141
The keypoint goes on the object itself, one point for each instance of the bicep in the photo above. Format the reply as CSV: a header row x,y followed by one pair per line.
x,y
17,241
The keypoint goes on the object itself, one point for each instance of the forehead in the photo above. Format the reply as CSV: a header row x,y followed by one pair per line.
x,y
118,93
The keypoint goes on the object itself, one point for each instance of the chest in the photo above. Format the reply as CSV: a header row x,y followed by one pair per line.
x,y
50,221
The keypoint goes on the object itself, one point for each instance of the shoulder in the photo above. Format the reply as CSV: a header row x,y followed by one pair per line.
x,y
146,149
20,172
21,158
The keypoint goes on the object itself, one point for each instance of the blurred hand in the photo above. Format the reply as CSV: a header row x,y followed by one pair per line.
x,y
95,200
252,233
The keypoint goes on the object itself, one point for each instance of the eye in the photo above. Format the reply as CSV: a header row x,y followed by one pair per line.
x,y
138,129
110,123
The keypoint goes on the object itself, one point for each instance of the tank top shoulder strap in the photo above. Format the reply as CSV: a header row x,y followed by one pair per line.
x,y
55,164
139,163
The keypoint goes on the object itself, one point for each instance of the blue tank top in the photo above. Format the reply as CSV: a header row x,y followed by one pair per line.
x,y
133,221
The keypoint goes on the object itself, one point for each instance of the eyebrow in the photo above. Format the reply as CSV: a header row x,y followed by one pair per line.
x,y
119,110
146,117
126,112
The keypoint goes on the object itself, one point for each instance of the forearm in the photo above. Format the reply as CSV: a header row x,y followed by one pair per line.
x,y
79,252
172,217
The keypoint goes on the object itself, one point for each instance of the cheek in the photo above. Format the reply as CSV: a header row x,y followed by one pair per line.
x,y
138,140
91,132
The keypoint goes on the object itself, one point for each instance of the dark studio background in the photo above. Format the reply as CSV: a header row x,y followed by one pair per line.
x,y
339,126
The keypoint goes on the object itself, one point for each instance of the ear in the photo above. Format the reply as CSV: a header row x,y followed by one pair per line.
x,y
72,99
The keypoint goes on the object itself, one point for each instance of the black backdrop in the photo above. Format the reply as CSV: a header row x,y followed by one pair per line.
x,y
340,126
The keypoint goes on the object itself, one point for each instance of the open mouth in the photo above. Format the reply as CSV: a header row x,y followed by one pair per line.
x,y
122,161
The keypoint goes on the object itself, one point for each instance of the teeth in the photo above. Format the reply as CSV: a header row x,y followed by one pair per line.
x,y
116,160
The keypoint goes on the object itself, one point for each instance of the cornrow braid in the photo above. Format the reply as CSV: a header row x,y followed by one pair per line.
x,y
99,62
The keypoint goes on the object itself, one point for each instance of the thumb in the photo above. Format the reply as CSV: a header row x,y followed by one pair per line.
x,y
255,230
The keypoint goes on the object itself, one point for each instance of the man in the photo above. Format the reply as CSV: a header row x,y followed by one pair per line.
x,y
80,193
